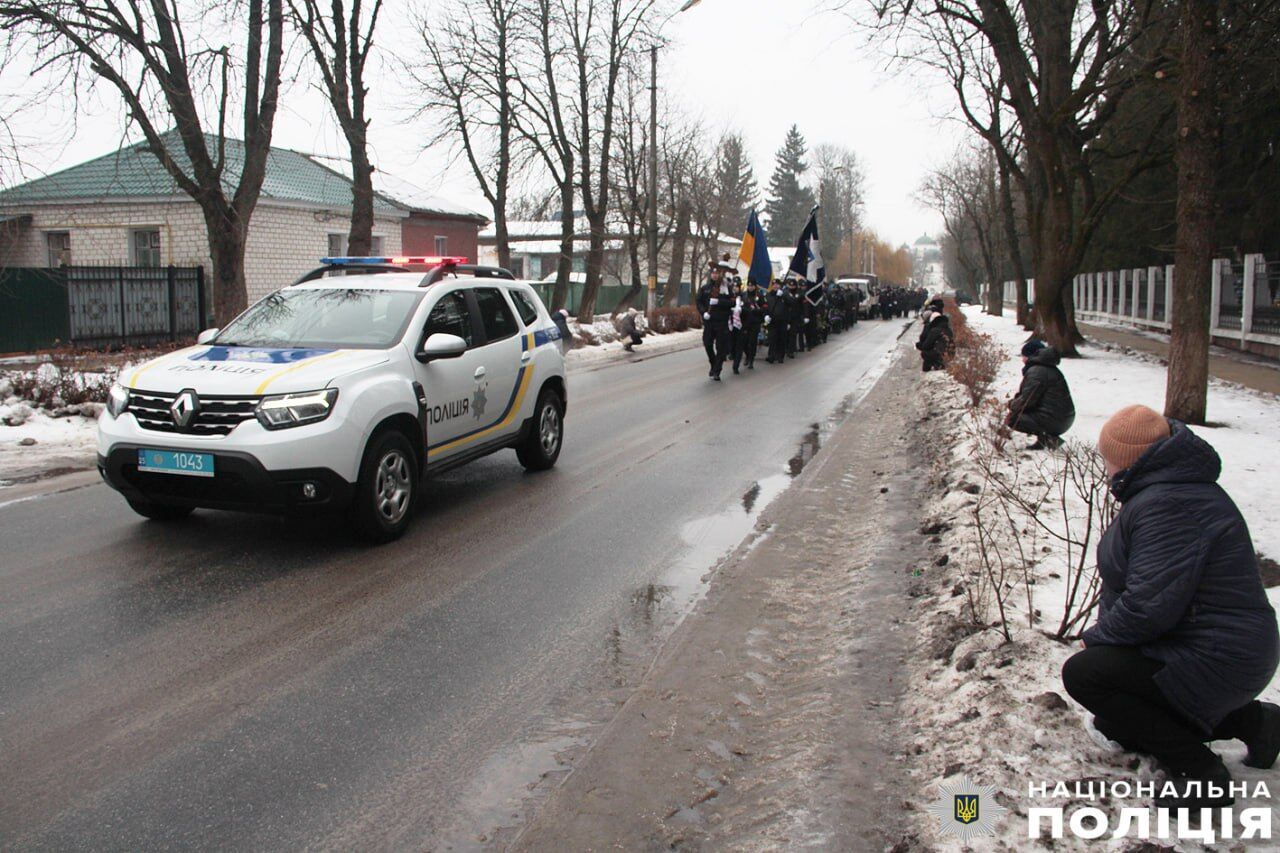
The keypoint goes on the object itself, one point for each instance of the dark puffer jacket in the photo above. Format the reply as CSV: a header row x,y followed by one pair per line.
x,y
936,338
1180,581
1044,394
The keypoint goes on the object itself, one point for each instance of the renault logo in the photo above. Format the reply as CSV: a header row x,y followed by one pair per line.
x,y
184,408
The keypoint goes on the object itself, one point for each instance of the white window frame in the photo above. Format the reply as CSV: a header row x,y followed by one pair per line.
x,y
59,259
442,246
158,248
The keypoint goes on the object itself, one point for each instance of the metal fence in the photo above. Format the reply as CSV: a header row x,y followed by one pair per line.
x,y
100,306
1245,299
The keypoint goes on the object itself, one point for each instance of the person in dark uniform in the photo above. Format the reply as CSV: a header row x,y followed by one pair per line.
x,y
751,312
776,323
715,302
814,305
795,318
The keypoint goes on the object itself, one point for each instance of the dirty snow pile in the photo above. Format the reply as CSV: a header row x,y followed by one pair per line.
x,y
1014,532
599,341
38,438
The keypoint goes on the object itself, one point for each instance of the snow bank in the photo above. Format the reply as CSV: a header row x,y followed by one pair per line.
x,y
994,708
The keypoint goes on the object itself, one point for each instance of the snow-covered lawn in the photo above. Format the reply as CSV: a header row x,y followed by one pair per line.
x,y
994,709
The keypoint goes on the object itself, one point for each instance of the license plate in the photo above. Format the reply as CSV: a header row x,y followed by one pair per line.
x,y
175,462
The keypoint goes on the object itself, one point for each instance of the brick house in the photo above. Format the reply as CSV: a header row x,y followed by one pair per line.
x,y
124,209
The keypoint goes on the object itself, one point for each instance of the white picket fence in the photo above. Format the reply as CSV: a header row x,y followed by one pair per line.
x,y
1245,312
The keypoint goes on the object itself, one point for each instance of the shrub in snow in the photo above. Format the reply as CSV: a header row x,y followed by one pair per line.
x,y
60,384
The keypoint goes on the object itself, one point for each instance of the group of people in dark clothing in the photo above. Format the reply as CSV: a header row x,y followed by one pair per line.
x,y
788,317
890,301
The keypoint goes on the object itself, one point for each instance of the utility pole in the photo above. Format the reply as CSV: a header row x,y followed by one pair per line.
x,y
653,179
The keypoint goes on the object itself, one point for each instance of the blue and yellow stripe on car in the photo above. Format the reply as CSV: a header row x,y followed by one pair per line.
x,y
509,414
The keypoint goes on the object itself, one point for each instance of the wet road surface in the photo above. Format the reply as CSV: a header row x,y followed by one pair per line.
x,y
236,681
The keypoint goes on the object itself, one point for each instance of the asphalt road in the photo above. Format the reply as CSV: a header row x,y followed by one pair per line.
x,y
241,682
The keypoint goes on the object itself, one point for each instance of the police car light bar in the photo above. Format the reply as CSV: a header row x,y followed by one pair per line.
x,y
417,260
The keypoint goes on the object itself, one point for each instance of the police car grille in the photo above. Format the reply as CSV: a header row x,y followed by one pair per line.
x,y
217,415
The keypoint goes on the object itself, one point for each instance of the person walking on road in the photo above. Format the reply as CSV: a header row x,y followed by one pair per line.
x,y
715,302
1185,638
1043,406
751,310
776,323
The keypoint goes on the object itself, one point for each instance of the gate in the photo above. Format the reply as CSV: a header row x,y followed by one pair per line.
x,y
134,305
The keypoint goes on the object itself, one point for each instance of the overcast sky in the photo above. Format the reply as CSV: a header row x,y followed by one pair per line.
x,y
755,66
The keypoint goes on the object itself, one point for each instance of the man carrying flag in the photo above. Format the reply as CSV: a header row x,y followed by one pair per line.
x,y
755,253
807,261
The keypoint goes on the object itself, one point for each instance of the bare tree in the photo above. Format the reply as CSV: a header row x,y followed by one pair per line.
x,y
964,192
841,195
545,122
471,103
169,72
600,36
340,41
1061,68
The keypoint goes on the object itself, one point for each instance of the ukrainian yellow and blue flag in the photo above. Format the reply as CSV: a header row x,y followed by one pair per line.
x,y
755,252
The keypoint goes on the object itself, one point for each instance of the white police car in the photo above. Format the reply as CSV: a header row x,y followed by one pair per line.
x,y
339,393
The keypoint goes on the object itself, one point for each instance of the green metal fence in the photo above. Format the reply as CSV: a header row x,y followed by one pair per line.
x,y
34,309
607,299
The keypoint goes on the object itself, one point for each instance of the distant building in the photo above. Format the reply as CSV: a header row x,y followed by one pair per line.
x,y
124,209
926,263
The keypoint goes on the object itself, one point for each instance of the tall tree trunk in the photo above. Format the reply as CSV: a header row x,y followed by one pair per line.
x,y
679,241
637,283
226,250
1196,158
564,266
595,272
1055,267
502,235
360,238
1009,218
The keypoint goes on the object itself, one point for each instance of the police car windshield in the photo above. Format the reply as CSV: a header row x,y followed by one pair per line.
x,y
337,318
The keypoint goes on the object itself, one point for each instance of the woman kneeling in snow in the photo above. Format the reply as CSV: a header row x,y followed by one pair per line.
x,y
1185,638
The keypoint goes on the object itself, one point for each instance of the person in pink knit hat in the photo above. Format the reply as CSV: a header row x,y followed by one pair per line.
x,y
1185,638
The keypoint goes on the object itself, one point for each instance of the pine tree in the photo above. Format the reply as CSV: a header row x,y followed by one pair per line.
x,y
790,200
735,185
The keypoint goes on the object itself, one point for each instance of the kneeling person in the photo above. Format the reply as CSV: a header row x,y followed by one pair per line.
x,y
1043,406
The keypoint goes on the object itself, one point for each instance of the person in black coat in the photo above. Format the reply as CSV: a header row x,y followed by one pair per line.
x,y
935,342
751,311
1043,406
776,323
715,303
1185,637
795,318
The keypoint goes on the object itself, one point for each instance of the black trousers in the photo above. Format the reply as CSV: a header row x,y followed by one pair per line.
x,y
1117,683
1032,425
745,343
715,339
795,337
777,340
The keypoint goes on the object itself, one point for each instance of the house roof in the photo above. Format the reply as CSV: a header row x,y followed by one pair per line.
x,y
133,172
405,194
925,240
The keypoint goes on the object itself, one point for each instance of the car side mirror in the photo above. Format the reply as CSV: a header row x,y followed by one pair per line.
x,y
441,345
207,335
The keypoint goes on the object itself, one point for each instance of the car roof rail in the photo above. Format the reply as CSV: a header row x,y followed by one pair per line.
x,y
319,272
474,270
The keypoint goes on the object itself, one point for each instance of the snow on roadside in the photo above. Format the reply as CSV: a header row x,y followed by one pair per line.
x,y
993,709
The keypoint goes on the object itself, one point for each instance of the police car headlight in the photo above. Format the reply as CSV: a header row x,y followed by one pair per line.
x,y
290,410
117,400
